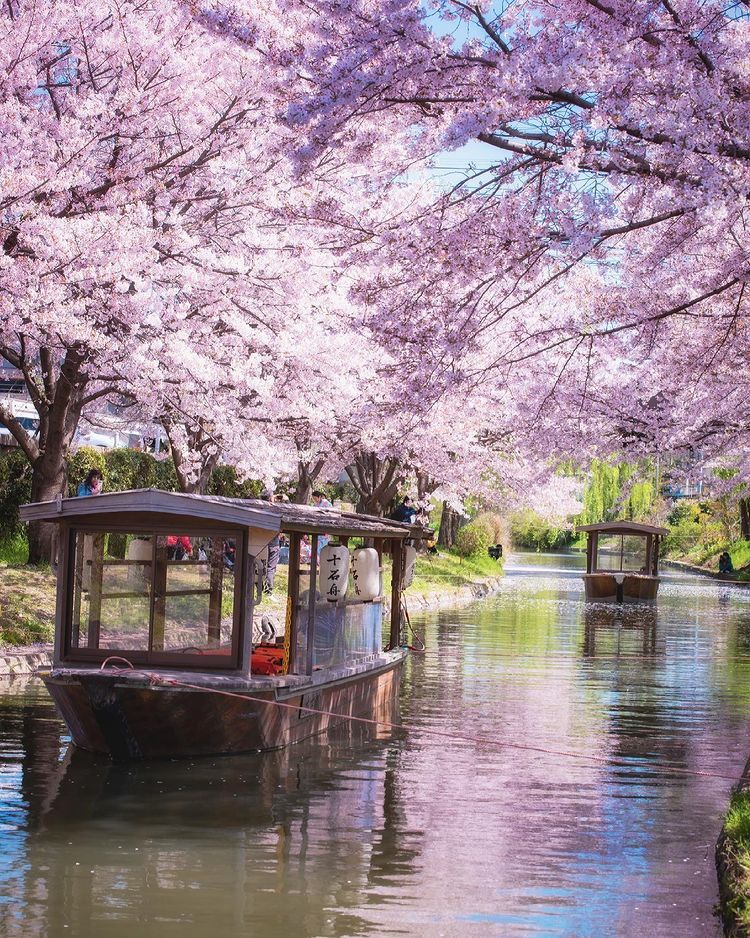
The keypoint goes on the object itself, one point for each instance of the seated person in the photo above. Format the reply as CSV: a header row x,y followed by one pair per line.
x,y
725,563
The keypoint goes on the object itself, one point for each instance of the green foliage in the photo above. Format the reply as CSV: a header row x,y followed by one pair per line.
x,y
225,482
15,490
473,539
14,549
528,529
736,849
640,501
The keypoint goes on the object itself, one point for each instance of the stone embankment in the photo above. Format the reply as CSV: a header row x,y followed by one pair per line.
x,y
20,662
704,571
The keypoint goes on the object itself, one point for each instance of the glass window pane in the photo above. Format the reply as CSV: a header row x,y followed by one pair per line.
x,y
634,554
111,595
197,613
165,593
608,552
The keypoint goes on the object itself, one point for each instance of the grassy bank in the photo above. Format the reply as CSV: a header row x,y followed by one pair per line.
x,y
733,865
27,606
706,556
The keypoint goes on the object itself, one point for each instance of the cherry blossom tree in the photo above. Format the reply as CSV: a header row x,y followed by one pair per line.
x,y
139,219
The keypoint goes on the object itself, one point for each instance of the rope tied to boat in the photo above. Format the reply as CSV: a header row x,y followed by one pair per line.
x,y
156,680
114,667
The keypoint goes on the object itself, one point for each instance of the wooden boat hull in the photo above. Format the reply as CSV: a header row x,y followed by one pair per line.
x,y
128,719
603,587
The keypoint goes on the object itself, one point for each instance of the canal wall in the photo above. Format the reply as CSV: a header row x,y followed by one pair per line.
x,y
25,661
703,571
467,593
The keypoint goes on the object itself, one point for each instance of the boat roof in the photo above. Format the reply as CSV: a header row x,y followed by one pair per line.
x,y
622,527
241,512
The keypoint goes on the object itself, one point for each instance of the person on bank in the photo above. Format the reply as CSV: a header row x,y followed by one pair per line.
x,y
91,485
725,563
320,500
405,511
495,551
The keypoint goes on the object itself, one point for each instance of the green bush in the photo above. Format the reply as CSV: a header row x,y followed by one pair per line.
x,y
15,490
528,529
224,481
473,539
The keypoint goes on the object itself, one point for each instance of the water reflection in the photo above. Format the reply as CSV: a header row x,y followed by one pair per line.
x,y
248,843
620,629
591,752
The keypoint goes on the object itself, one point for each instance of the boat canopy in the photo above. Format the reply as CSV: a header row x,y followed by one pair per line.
x,y
243,512
622,527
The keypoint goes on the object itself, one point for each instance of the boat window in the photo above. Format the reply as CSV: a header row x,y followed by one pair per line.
x,y
155,594
622,552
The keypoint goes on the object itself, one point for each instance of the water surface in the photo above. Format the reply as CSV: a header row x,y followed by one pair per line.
x,y
591,754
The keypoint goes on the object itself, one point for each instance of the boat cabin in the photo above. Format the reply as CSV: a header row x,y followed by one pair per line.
x,y
154,583
168,579
622,561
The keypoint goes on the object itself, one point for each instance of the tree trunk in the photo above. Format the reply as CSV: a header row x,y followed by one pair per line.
x,y
448,526
48,480
745,518
376,481
307,473
183,440
58,392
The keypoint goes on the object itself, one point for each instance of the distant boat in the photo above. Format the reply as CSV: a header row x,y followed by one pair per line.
x,y
622,561
154,647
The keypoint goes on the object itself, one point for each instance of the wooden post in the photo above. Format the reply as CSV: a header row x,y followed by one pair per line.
x,y
216,582
590,552
247,605
397,552
594,551
95,589
655,567
311,605
290,635
378,545
77,588
158,594
63,604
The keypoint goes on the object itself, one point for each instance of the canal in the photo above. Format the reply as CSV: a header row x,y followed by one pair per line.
x,y
591,754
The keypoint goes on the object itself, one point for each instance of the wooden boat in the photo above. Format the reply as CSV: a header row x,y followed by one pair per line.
x,y
155,654
622,561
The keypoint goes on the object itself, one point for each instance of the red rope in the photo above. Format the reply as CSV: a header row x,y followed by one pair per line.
x,y
156,680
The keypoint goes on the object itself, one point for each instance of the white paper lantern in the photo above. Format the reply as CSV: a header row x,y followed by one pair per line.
x,y
366,573
333,576
410,560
